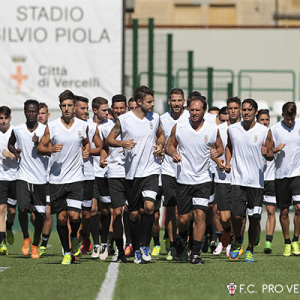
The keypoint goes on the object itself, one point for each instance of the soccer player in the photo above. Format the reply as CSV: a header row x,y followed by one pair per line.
x,y
176,114
191,144
31,175
67,136
263,117
44,114
223,115
115,161
247,141
82,113
131,104
8,172
143,140
287,173
223,179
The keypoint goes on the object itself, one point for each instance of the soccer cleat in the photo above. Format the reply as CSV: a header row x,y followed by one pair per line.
x,y
121,258
86,245
219,249
249,256
205,244
146,256
225,239
295,248
67,260
287,250
3,249
167,244
171,254
183,256
137,257
268,247
196,260
35,251
241,250
75,246
156,251
26,246
43,250
10,237
128,250
213,245
103,252
235,249
228,250
96,252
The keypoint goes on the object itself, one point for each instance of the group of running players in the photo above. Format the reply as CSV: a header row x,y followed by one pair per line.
x,y
108,174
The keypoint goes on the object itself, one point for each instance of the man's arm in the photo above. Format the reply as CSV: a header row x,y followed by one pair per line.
x,y
86,145
11,145
218,150
45,147
171,147
269,145
228,154
160,141
97,142
112,141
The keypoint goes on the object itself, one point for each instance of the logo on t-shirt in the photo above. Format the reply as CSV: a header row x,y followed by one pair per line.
x,y
79,134
255,138
205,139
151,125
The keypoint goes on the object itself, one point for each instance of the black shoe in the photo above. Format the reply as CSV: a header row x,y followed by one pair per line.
x,y
110,249
196,260
121,258
213,246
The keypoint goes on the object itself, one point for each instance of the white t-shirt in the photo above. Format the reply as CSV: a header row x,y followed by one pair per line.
x,y
247,164
67,165
222,176
193,147
32,166
140,161
287,161
116,158
8,166
168,167
269,170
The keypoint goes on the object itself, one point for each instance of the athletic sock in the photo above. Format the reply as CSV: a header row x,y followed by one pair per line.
x,y
197,247
269,238
249,249
34,243
182,239
231,238
156,240
111,237
173,244
45,239
219,235
295,238
105,221
135,228
287,241
63,233
94,227
146,229
9,225
119,243
166,235
227,229
25,236
74,227
126,227
2,237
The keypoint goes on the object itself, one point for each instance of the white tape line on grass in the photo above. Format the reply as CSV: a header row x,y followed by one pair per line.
x,y
3,269
108,286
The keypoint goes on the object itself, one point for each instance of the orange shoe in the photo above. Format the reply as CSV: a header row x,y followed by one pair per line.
x,y
26,246
225,239
35,252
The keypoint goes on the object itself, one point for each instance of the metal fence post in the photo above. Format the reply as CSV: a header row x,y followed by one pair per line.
x,y
135,55
190,71
150,52
210,86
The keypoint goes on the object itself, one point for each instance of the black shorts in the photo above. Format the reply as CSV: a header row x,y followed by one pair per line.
x,y
246,198
101,191
117,189
223,196
141,189
8,193
66,196
191,197
48,200
88,195
169,186
269,193
159,197
31,197
287,191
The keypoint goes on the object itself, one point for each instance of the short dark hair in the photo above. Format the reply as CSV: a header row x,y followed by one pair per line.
x,y
234,100
81,99
131,100
43,105
289,109
31,101
66,95
110,112
141,92
118,98
196,96
251,102
262,112
176,91
5,110
223,111
213,108
98,101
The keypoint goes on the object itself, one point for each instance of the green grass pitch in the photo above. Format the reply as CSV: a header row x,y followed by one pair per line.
x,y
269,277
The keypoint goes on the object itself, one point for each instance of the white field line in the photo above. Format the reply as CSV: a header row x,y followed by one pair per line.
x,y
3,269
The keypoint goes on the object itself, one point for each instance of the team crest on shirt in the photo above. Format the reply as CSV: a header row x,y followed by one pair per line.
x,y
298,131
79,134
255,138
205,139
151,125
